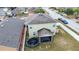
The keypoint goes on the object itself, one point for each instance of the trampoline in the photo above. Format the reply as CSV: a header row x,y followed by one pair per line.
x,y
33,42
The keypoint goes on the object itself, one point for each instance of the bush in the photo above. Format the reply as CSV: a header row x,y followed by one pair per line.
x,y
69,11
76,11
40,10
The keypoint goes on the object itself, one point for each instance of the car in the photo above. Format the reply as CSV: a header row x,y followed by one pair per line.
x,y
62,20
65,22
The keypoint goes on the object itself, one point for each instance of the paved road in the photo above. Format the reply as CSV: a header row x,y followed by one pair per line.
x,y
55,16
71,23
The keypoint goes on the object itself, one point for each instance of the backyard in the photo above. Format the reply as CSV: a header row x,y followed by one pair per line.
x,y
61,42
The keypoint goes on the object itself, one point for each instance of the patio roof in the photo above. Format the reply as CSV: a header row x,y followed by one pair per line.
x,y
44,32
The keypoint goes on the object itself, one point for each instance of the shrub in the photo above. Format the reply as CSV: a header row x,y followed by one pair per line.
x,y
39,10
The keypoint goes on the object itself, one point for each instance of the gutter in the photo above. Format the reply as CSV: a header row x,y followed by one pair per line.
x,y
21,40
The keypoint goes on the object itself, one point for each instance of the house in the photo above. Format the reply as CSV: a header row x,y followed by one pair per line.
x,y
41,26
31,10
20,10
11,34
13,11
2,14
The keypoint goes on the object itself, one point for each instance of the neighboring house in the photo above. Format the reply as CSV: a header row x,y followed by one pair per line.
x,y
2,14
31,9
19,10
11,34
11,12
16,11
42,26
7,11
23,9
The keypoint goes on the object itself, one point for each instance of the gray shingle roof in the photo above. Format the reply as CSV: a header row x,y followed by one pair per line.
x,y
40,19
10,32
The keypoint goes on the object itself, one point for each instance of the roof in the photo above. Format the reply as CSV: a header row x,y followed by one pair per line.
x,y
31,9
10,31
40,19
44,32
2,13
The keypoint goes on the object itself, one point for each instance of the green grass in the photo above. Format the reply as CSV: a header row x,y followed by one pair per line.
x,y
27,36
22,14
78,22
61,42
39,10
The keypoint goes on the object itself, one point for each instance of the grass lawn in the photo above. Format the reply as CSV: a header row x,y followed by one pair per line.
x,y
78,22
64,42
61,42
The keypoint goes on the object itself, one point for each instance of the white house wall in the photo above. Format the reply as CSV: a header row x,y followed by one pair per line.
x,y
36,27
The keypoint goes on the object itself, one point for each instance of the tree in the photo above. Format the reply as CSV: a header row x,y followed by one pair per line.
x,y
39,10
61,9
76,11
69,11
